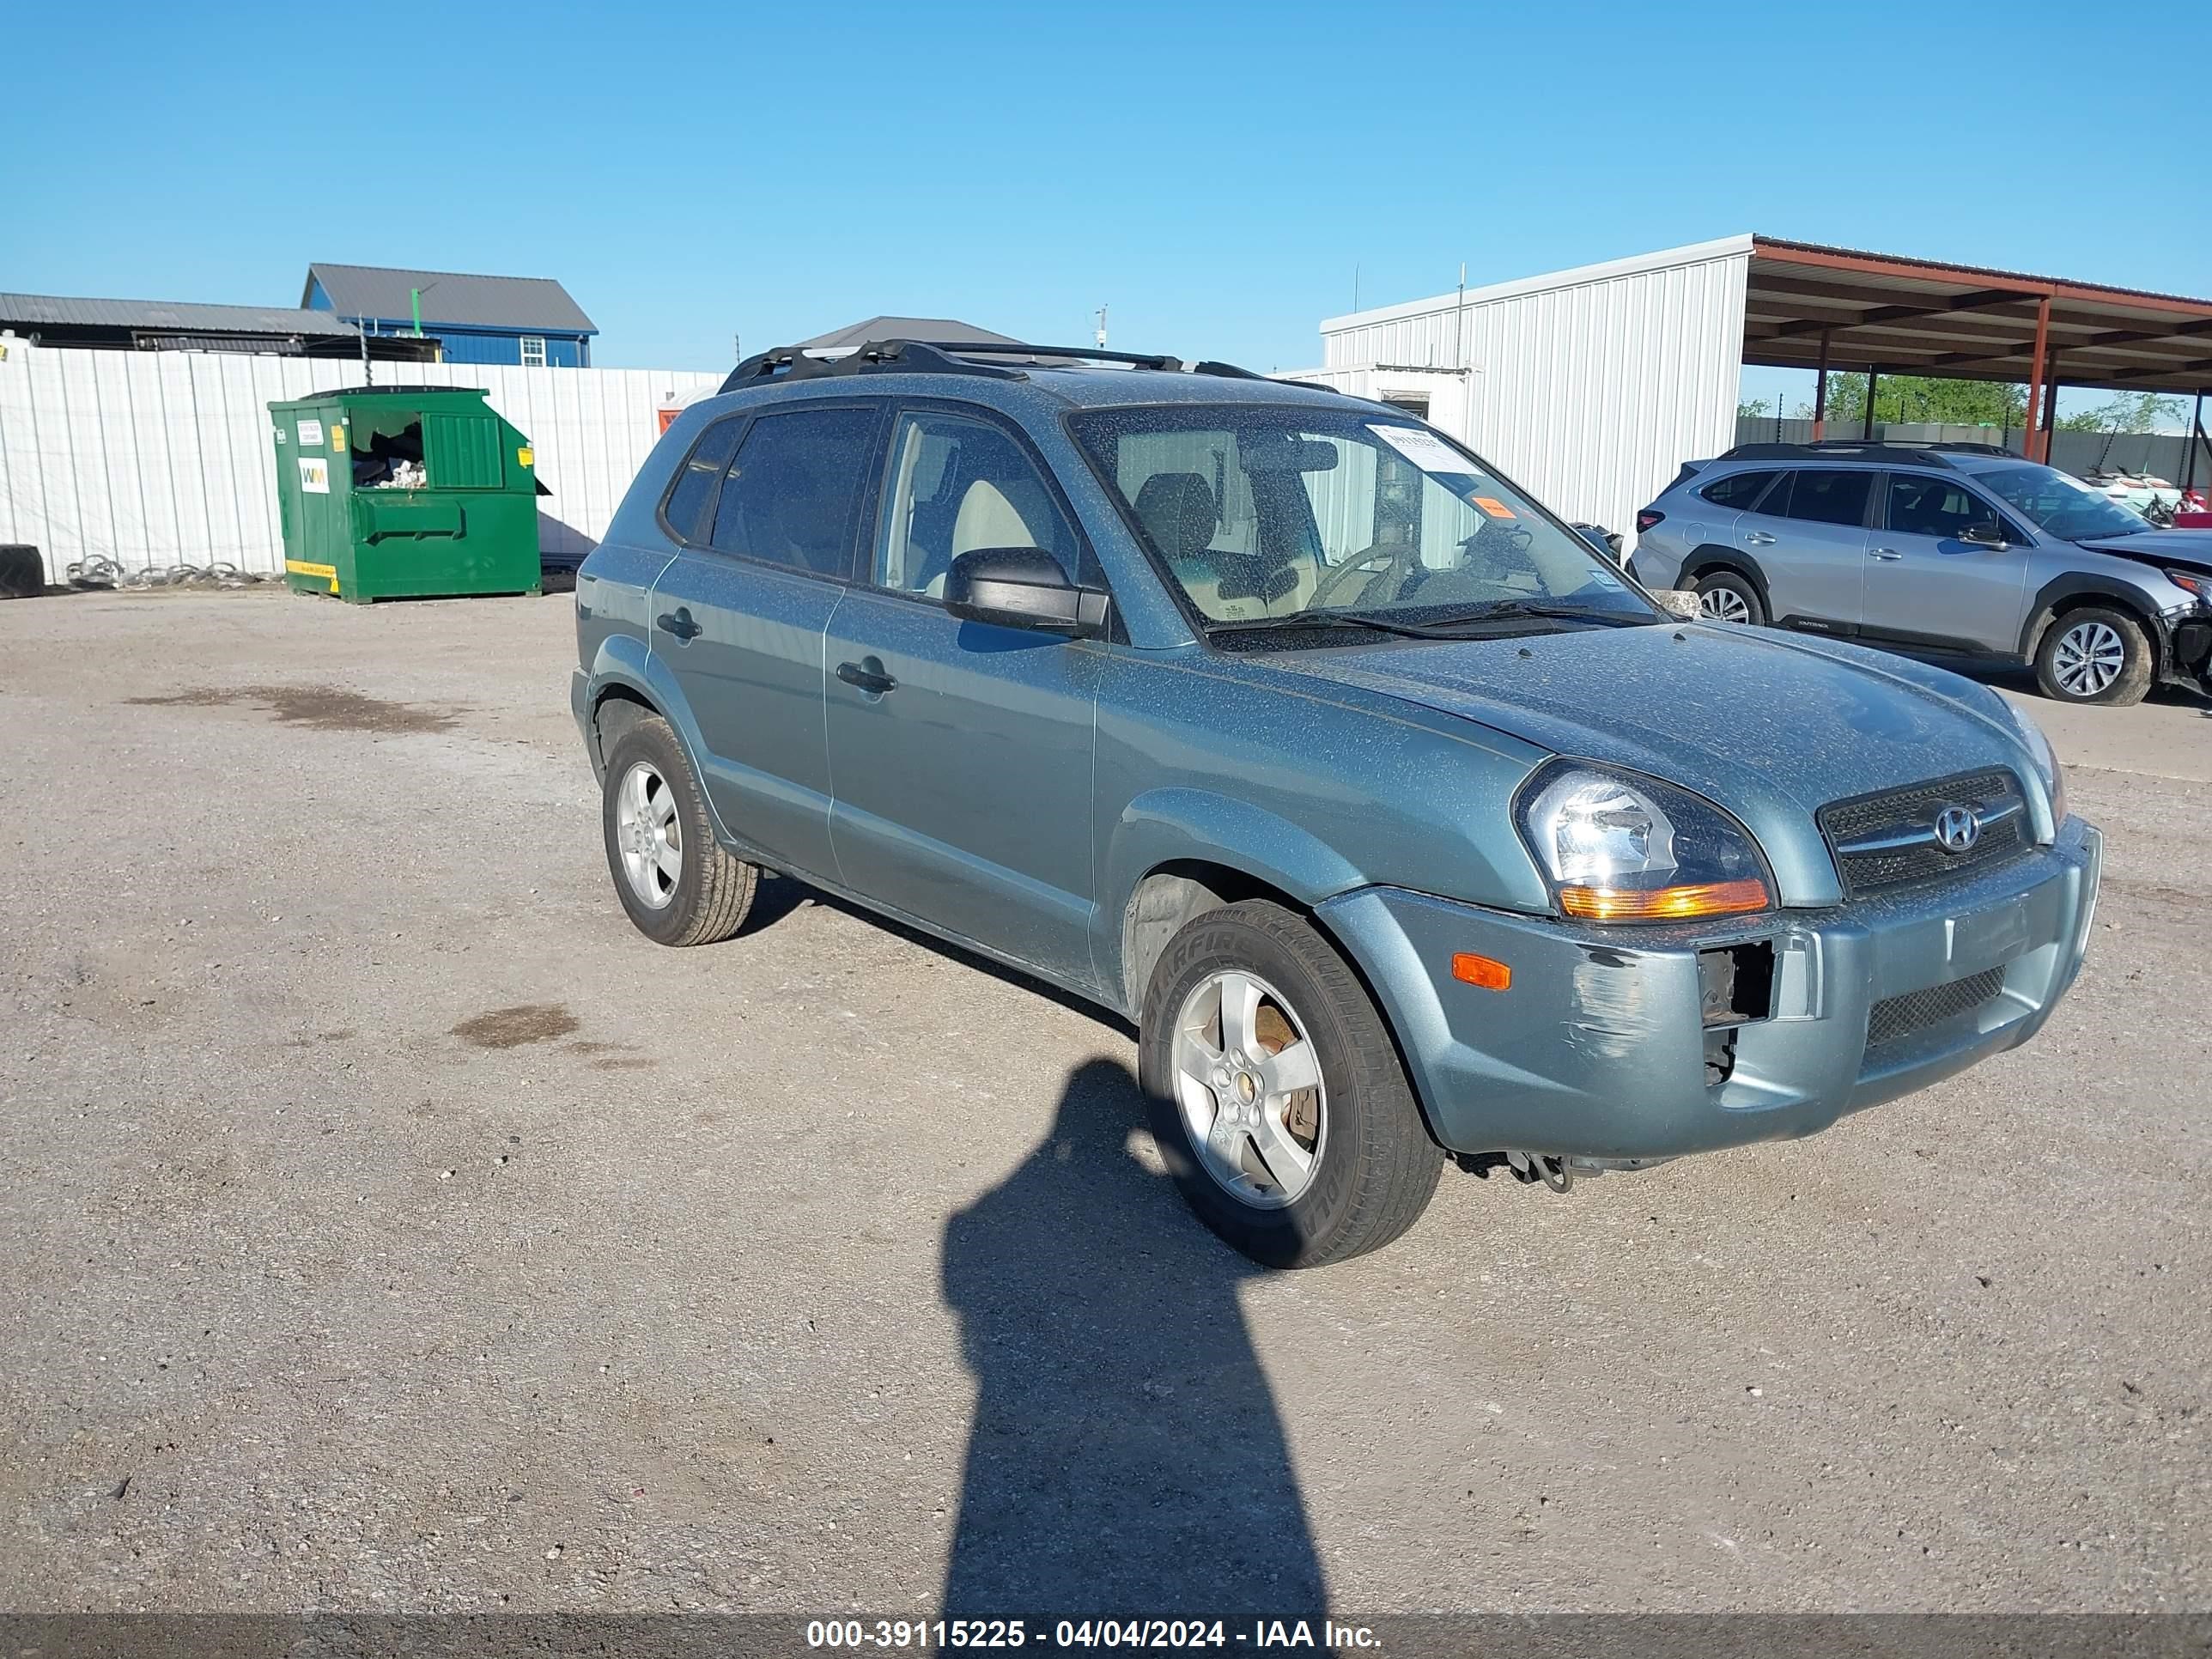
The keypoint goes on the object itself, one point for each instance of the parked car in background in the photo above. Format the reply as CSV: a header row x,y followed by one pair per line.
x,y
1401,822
1606,541
1957,550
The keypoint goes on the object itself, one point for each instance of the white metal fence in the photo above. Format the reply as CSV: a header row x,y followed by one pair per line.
x,y
163,458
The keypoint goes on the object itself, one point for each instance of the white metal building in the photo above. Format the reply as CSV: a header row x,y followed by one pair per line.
x,y
1592,386
1589,387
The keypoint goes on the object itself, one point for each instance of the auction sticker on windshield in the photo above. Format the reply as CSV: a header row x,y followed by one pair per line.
x,y
1424,449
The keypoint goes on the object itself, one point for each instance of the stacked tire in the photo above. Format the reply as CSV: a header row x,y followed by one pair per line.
x,y
22,572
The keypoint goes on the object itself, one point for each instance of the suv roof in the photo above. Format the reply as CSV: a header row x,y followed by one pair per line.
x,y
1079,375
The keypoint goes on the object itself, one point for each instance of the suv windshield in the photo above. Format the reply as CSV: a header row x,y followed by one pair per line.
x,y
2061,505
1269,512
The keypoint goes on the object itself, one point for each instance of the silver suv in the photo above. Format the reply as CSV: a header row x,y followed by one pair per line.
x,y
1961,551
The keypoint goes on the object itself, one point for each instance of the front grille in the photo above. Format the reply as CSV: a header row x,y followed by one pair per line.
x,y
1895,1018
1888,838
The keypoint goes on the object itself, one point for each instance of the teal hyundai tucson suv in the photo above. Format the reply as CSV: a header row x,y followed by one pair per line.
x,y
1403,824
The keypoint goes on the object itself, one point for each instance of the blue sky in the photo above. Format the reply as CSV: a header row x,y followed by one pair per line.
x,y
1214,173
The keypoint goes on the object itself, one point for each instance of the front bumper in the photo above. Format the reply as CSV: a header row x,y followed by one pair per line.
x,y
2189,650
1598,1049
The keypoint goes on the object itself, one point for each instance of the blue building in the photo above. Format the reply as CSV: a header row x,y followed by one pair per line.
x,y
529,320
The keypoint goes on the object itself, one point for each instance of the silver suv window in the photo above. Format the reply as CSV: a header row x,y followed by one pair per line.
x,y
1920,505
1821,496
1738,490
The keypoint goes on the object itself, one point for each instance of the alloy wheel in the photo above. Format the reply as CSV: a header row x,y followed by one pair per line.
x,y
1723,605
649,833
2089,658
1249,1085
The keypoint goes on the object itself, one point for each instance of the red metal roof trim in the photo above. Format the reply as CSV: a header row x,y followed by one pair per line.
x,y
1892,265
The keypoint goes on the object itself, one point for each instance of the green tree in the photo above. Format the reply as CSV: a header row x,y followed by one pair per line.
x,y
1917,398
2126,411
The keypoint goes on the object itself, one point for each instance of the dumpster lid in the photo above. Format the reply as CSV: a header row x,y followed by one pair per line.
x,y
391,392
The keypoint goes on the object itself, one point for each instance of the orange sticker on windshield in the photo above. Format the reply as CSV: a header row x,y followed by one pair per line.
x,y
1495,508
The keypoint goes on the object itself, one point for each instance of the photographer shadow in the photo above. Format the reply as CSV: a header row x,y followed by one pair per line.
x,y
1126,1459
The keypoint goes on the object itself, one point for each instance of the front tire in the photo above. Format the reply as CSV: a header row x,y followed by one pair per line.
x,y
1275,1092
2094,655
1726,596
679,884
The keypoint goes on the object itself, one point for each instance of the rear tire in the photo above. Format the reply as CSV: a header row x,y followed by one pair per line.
x,y
2096,654
679,884
1727,596
1297,1175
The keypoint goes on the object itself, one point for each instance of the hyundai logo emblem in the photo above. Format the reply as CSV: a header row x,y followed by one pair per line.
x,y
1957,828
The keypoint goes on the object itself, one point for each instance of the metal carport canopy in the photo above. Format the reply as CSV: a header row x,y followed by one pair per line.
x,y
1822,309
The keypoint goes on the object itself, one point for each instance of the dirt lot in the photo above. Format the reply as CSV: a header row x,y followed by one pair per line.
x,y
384,1225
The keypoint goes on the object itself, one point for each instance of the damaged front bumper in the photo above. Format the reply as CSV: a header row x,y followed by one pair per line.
x,y
1636,1044
2189,650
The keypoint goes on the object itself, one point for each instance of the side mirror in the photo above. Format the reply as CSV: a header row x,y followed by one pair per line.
x,y
1682,602
1984,535
1022,588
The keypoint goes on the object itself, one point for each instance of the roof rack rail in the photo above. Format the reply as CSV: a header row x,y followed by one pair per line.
x,y
1232,372
1081,354
1836,450
916,357
904,356
777,363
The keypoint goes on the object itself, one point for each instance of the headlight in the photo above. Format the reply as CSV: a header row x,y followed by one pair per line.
x,y
2193,582
2046,758
1620,847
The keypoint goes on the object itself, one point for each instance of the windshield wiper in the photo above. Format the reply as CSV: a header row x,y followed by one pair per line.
x,y
1453,627
1511,609
1320,619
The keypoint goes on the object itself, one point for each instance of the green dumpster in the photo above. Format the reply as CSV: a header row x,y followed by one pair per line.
x,y
391,492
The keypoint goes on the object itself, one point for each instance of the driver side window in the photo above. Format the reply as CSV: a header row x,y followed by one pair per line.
x,y
1943,507
958,484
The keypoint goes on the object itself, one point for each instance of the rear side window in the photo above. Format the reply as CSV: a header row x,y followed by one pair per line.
x,y
1738,490
793,495
1921,506
686,510
1826,497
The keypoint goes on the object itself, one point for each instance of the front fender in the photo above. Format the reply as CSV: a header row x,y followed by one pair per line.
x,y
1183,825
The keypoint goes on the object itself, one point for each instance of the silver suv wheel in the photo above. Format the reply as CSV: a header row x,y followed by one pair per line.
x,y
650,834
1723,605
2088,658
1248,1084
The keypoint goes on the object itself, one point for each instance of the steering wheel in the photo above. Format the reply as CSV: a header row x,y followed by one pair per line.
x,y
1383,561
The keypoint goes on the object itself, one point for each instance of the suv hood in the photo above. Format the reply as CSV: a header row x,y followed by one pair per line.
x,y
1771,727
2188,549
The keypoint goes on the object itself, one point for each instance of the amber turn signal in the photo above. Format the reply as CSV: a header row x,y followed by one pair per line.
x,y
1716,898
1487,972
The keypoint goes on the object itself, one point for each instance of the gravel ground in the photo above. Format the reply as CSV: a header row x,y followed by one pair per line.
x,y
384,1225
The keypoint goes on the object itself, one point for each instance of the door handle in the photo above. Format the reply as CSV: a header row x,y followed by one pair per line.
x,y
867,674
678,622
1760,537
1884,553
